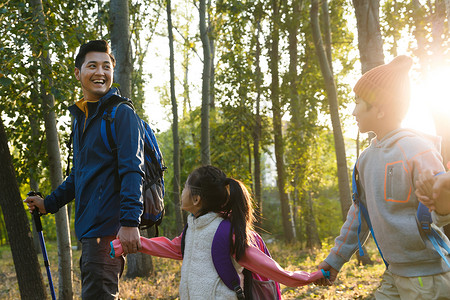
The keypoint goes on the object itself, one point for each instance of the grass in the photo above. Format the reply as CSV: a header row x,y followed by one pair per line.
x,y
354,282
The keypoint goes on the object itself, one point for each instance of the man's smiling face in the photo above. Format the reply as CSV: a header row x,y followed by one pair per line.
x,y
95,75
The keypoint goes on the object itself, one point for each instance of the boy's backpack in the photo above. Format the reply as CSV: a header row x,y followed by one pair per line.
x,y
153,188
423,217
256,287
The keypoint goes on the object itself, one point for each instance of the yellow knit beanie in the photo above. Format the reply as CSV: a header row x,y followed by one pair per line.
x,y
387,84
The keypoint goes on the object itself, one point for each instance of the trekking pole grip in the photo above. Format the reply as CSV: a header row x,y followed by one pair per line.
x,y
36,214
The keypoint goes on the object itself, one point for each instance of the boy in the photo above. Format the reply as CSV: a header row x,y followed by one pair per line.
x,y
387,171
102,211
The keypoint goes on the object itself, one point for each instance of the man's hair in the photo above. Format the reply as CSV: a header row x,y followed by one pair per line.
x,y
93,46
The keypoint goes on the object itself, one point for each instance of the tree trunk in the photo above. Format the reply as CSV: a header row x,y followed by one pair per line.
x,y
34,185
139,265
29,276
330,87
257,182
54,156
297,112
447,8
212,101
206,81
176,139
312,234
370,42
277,123
121,45
427,62
370,45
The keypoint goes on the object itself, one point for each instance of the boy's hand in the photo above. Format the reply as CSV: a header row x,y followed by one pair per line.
x,y
333,274
130,239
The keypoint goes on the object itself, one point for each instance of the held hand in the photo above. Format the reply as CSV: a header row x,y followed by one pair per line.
x,y
333,274
424,184
441,194
35,201
130,239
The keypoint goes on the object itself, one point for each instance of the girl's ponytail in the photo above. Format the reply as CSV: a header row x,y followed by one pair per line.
x,y
242,217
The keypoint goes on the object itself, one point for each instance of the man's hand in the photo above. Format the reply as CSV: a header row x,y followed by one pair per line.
x,y
130,239
35,201
333,274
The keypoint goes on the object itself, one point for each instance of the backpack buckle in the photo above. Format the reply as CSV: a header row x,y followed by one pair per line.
x,y
425,225
355,198
239,292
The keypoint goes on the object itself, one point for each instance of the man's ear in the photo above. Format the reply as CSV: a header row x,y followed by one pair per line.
x,y
77,73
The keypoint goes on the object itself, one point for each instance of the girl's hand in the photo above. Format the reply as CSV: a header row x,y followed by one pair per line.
x,y
424,189
441,194
333,274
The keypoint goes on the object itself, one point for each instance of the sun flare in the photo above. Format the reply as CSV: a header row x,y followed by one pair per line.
x,y
430,98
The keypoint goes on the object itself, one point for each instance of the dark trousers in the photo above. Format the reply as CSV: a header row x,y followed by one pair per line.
x,y
99,272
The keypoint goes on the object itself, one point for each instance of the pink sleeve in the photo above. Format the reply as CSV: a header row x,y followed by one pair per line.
x,y
258,262
157,246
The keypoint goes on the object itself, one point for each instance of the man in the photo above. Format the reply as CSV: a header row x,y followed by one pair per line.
x,y
103,210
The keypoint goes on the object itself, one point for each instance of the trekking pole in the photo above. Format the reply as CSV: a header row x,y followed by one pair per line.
x,y
37,222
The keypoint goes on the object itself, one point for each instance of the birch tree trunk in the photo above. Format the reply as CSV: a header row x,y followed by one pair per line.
x,y
26,263
175,137
330,87
206,81
257,182
54,156
277,123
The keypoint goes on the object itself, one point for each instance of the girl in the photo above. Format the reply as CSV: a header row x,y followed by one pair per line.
x,y
209,196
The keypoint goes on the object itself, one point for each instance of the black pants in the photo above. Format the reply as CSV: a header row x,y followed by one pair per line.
x,y
99,272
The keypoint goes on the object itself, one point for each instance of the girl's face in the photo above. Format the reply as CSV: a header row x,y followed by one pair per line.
x,y
189,202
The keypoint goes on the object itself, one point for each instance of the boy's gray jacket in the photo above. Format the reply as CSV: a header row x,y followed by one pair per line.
x,y
388,170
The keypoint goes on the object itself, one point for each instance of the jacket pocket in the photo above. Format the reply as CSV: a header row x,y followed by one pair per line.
x,y
397,182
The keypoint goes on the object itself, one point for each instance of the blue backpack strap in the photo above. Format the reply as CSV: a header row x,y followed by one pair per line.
x,y
364,212
425,220
108,130
220,252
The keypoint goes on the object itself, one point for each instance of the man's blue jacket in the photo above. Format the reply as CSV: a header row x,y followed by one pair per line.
x,y
100,209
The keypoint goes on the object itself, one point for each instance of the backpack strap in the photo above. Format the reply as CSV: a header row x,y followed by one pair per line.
x,y
220,252
425,220
364,212
108,129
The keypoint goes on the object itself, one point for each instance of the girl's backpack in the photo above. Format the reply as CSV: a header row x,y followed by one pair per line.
x,y
256,287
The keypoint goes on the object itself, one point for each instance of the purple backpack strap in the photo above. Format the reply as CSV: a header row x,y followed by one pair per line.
x,y
220,252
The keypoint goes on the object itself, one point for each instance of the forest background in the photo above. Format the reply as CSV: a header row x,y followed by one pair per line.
x,y
261,89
